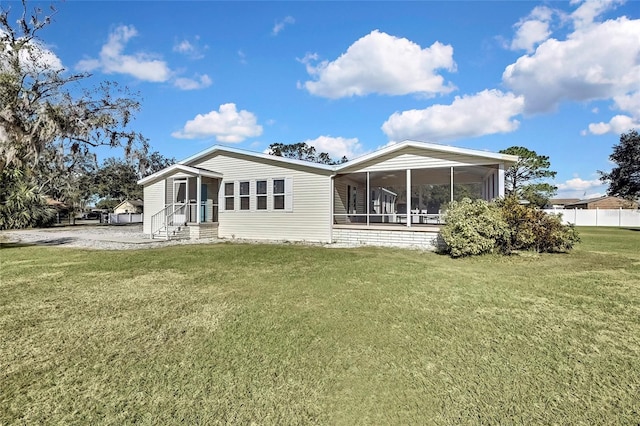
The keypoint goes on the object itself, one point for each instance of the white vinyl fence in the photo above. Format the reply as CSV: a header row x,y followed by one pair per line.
x,y
125,218
599,217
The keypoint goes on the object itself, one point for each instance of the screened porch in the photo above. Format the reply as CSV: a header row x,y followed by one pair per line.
x,y
409,197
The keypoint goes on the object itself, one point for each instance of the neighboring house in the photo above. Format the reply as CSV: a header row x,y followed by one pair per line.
x,y
129,206
606,202
232,193
560,203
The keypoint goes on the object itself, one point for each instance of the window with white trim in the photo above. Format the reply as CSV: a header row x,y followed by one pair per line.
x,y
258,195
278,194
229,196
244,196
261,195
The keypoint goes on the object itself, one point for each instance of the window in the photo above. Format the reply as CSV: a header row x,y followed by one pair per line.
x,y
278,194
244,196
228,196
258,195
261,194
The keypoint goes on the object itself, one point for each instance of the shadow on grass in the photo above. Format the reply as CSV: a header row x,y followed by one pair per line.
x,y
632,229
51,242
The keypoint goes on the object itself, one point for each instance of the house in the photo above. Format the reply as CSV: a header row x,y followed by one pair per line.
x,y
129,206
606,202
560,203
233,193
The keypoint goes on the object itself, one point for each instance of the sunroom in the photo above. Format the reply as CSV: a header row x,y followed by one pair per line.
x,y
407,188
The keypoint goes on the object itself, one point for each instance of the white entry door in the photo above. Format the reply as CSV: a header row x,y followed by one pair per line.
x,y
179,197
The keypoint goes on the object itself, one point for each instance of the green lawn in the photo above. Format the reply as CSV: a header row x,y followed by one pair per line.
x,y
290,334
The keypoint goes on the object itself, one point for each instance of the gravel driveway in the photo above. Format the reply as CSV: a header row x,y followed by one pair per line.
x,y
96,237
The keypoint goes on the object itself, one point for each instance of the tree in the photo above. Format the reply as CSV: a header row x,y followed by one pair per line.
x,y
66,177
302,151
524,179
43,103
117,179
624,180
47,117
152,163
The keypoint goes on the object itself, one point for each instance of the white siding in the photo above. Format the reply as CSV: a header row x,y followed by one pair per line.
x,y
153,203
413,158
309,218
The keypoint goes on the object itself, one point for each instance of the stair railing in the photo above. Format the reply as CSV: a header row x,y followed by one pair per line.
x,y
164,218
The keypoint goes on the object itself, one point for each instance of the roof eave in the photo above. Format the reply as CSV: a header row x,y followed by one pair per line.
x,y
179,167
269,157
505,158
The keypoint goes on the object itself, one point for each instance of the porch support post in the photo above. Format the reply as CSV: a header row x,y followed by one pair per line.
x,y
408,198
501,180
332,212
451,184
368,199
186,200
199,200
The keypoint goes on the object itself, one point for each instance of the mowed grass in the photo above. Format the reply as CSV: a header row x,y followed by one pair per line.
x,y
290,334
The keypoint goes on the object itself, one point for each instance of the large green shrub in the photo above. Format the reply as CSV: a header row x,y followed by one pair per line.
x,y
479,227
473,227
533,229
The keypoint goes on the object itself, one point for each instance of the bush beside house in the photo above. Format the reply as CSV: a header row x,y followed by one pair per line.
x,y
481,227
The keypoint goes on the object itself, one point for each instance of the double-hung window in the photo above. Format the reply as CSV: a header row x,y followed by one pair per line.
x,y
229,196
244,196
278,194
272,195
261,195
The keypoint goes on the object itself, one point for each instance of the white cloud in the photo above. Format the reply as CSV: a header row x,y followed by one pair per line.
x,y
629,103
581,188
192,50
618,124
36,56
578,184
200,82
184,46
485,113
529,34
532,30
589,10
384,64
598,61
227,125
279,26
112,60
337,147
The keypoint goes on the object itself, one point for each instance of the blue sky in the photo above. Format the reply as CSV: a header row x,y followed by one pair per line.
x,y
560,78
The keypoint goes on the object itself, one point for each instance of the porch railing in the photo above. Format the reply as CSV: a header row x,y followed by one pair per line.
x,y
179,214
164,218
208,212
